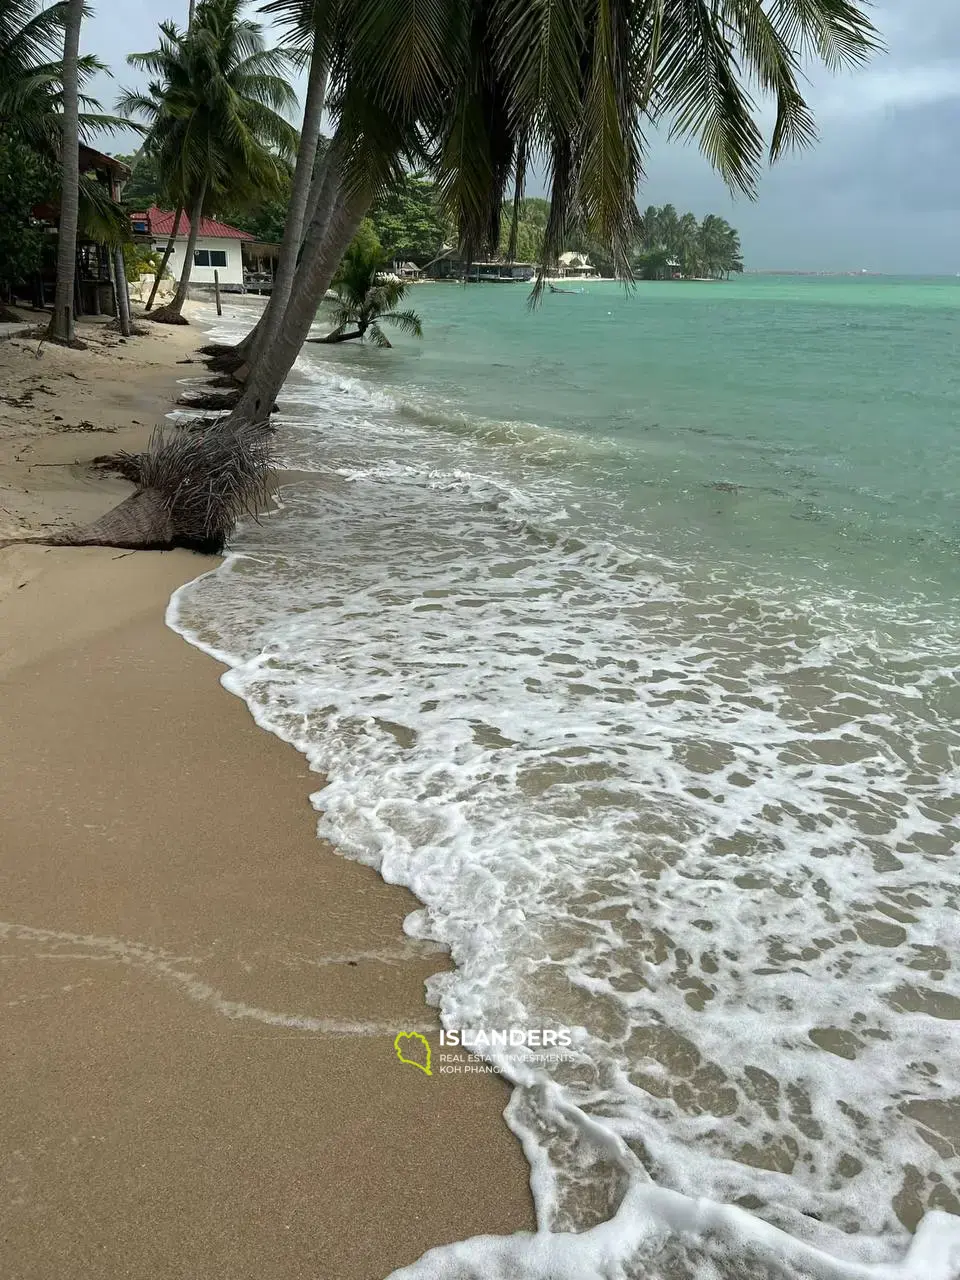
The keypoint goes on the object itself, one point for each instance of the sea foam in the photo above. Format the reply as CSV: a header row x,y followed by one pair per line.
x,y
707,818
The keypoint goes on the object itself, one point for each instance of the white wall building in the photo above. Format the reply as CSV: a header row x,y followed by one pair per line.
x,y
575,265
218,247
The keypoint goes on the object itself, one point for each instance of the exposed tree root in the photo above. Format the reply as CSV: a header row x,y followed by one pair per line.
x,y
136,330
217,349
166,315
224,364
213,400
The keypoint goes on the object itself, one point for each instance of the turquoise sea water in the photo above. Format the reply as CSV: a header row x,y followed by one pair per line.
x,y
625,633
832,405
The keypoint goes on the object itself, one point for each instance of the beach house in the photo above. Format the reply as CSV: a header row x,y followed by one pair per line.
x,y
219,247
575,266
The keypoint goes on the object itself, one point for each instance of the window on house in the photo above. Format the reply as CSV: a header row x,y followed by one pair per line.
x,y
209,258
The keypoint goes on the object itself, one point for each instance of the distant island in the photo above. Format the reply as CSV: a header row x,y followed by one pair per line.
x,y
755,271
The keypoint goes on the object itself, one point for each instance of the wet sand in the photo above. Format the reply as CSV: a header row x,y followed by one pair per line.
x,y
199,998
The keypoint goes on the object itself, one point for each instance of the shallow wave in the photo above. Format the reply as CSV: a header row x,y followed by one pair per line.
x,y
709,822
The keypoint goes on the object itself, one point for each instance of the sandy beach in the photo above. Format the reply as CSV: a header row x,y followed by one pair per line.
x,y
199,998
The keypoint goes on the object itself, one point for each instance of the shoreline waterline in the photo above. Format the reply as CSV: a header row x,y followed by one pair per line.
x,y
434,543
201,999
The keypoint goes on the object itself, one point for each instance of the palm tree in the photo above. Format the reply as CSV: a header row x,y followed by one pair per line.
x,y
495,87
687,244
28,39
31,77
366,298
33,103
309,26
480,91
61,322
719,246
214,113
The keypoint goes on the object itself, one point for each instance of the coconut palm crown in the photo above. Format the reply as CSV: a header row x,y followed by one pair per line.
x,y
214,109
367,299
214,106
31,78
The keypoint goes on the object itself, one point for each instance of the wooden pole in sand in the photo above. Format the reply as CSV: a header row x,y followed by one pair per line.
x,y
216,289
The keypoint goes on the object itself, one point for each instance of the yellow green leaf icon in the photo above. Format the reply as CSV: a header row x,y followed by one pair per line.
x,y
402,1042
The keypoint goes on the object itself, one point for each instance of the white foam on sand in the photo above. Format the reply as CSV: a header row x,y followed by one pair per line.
x,y
61,945
707,822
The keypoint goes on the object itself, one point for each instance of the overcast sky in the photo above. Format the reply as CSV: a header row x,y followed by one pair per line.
x,y
880,191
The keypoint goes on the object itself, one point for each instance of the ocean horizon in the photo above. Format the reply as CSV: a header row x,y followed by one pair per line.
x,y
623,631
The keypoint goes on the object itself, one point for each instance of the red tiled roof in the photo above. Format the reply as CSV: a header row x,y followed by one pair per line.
x,y
161,224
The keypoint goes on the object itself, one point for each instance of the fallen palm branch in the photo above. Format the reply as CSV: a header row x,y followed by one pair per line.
x,y
136,330
192,488
123,464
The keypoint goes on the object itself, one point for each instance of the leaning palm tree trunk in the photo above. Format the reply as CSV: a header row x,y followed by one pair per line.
x,y
322,255
339,337
170,314
61,322
166,257
323,194
323,201
269,323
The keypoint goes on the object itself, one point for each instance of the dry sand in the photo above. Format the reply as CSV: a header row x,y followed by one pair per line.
x,y
198,998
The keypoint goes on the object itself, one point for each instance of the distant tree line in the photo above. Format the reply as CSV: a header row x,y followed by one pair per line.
x,y
410,226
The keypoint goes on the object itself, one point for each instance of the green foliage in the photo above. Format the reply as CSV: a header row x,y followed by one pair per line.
x,y
672,243
26,179
263,218
31,124
213,110
487,91
522,229
143,188
365,297
139,261
31,74
407,223
408,220
365,254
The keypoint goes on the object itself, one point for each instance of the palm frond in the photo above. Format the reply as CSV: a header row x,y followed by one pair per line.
x,y
406,321
377,336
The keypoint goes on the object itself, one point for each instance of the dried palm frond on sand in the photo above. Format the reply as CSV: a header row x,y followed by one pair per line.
x,y
192,488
